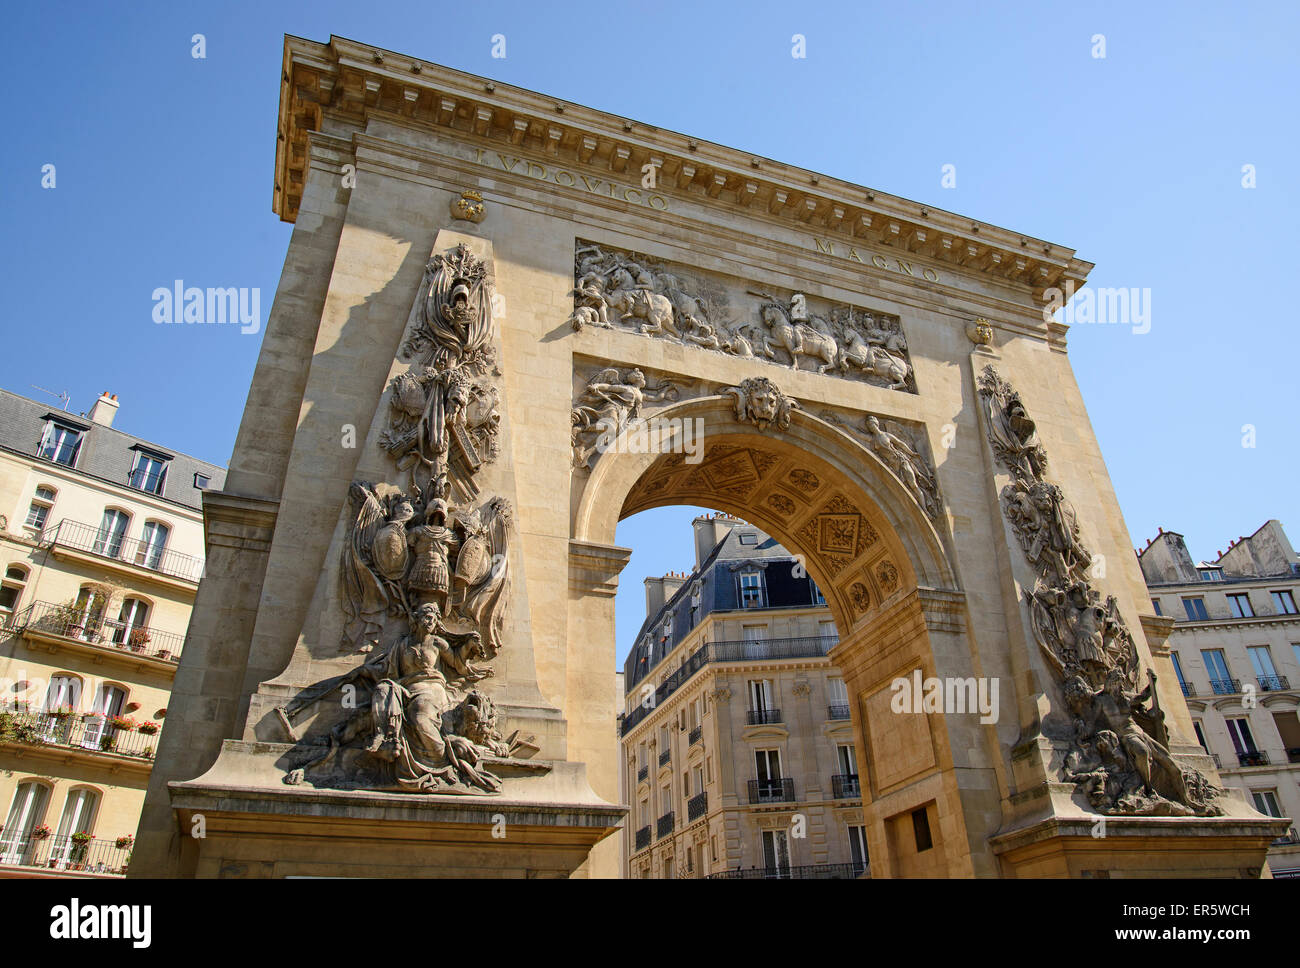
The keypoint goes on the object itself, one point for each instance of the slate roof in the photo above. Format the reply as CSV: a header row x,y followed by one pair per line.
x,y
107,454
719,591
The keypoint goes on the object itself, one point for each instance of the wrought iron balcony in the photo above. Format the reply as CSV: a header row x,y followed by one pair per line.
x,y
1253,758
1225,687
97,541
694,736
845,786
697,806
54,853
837,711
737,650
642,774
1273,683
760,717
1188,688
665,757
90,734
642,838
664,825
833,872
771,791
71,622
1290,837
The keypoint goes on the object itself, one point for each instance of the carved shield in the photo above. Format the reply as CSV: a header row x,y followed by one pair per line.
x,y
473,562
390,552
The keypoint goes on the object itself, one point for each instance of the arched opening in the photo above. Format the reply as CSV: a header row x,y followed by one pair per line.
x,y
882,569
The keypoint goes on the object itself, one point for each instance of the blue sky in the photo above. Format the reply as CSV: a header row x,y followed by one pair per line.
x,y
164,171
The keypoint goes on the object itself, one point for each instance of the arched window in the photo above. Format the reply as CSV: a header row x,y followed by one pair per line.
x,y
88,620
26,812
64,692
112,531
110,700
132,626
79,811
39,512
152,544
11,591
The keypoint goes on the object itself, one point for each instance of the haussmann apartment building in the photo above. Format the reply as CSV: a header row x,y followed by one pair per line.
x,y
101,544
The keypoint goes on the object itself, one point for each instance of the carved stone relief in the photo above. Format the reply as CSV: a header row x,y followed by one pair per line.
x,y
760,402
614,289
610,403
1118,744
424,574
904,450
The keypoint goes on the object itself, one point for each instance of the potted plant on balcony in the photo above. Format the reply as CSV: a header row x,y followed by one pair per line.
x,y
148,729
60,712
125,843
40,832
147,752
62,619
163,654
123,723
80,846
138,639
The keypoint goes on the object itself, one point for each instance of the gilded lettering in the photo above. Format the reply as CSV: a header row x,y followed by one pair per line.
x,y
930,274
663,202
627,192
507,165
853,254
570,183
879,262
824,245
541,168
906,267
590,187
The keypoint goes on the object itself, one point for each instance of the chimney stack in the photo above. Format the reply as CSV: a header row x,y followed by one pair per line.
x,y
105,409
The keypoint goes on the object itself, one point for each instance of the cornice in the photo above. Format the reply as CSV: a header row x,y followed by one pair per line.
x,y
355,80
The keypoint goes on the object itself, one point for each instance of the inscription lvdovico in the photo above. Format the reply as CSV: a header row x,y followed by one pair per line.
x,y
568,179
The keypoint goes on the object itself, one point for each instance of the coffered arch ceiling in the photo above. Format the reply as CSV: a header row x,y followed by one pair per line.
x,y
812,487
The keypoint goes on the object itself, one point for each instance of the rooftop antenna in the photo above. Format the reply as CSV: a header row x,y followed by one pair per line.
x,y
60,396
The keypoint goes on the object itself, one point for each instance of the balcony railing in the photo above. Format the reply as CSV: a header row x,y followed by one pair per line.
x,y
738,650
642,838
72,623
1253,758
1273,683
1225,687
664,825
642,774
760,717
1188,689
697,806
837,711
845,786
1290,837
95,856
130,551
665,757
833,872
88,733
771,791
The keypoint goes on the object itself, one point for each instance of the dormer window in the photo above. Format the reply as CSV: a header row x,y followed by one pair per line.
x,y
748,538
149,473
202,481
1211,574
751,590
61,443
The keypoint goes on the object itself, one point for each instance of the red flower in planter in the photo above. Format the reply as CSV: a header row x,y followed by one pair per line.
x,y
40,832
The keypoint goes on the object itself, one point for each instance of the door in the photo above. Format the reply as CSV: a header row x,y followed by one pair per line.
x,y
776,853
133,615
112,530
152,543
78,817
26,812
109,701
767,764
62,695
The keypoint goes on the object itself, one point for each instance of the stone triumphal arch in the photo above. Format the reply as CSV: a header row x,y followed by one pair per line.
x,y
505,323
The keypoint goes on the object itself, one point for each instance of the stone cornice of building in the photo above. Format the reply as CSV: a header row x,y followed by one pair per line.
x,y
124,493
1227,581
354,79
1227,621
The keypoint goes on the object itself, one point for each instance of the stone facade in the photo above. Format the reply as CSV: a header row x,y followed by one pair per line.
x,y
1235,647
738,744
829,340
101,552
